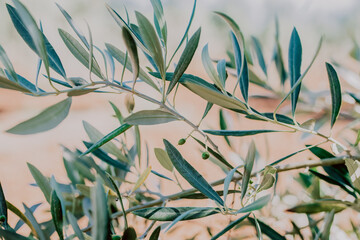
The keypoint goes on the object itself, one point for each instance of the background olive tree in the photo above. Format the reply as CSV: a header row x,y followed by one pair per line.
x,y
98,174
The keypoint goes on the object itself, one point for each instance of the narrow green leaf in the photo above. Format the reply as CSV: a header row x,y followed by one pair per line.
x,y
299,80
249,163
202,196
101,227
223,125
129,234
155,234
7,63
267,230
35,33
150,117
56,213
209,68
221,69
75,226
329,218
163,158
240,133
190,174
295,57
335,90
132,50
10,235
106,138
160,21
171,213
104,141
143,176
24,32
120,21
258,229
259,54
181,217
207,109
277,57
151,41
8,84
258,204
44,121
80,53
18,213
120,57
318,206
353,167
36,225
228,179
185,59
230,226
41,181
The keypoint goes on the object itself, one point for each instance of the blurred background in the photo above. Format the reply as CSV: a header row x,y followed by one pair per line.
x,y
338,21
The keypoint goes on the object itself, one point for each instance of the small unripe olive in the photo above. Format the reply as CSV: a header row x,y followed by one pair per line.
x,y
182,141
2,218
115,237
205,155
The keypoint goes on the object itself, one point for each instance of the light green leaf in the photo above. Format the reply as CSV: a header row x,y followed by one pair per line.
x,y
10,235
40,233
318,206
7,63
353,167
185,59
18,213
8,84
249,162
230,226
228,179
150,117
120,57
259,54
44,121
101,227
239,133
75,226
328,220
42,182
56,213
335,90
35,33
171,213
268,179
151,41
159,20
190,174
258,204
80,53
163,158
132,50
80,92
209,68
104,141
142,178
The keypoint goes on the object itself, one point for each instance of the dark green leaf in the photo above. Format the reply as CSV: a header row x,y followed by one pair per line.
x,y
108,138
44,121
21,28
7,63
267,230
295,57
223,125
155,234
115,187
207,109
228,180
190,174
56,214
10,235
80,53
317,206
230,226
101,228
239,133
259,54
171,213
39,232
185,59
42,182
132,50
151,41
335,90
150,117
249,163
3,208
202,196
22,217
